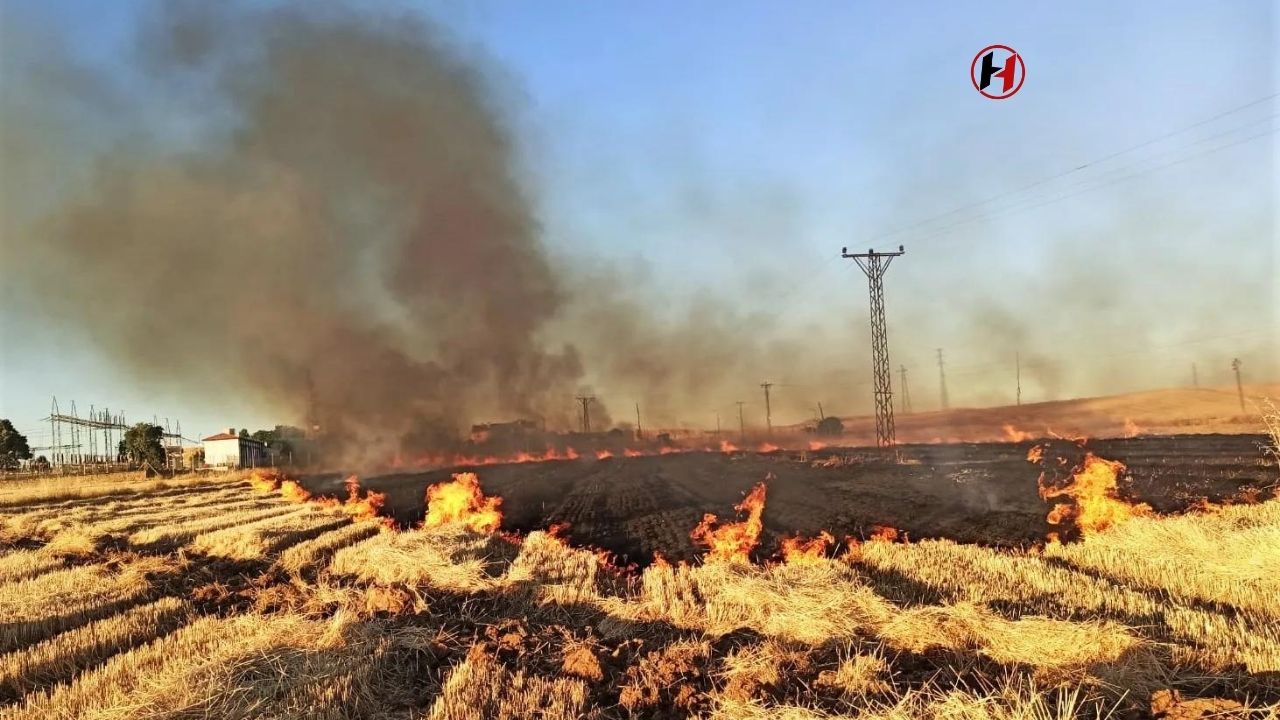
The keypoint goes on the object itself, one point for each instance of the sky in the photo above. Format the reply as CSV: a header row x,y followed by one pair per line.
x,y
1118,214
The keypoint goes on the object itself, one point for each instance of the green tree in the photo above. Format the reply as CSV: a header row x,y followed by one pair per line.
x,y
280,439
142,443
13,446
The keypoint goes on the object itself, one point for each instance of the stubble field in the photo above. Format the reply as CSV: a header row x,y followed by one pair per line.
x,y
250,597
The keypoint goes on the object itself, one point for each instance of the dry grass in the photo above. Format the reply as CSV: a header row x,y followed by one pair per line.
x,y
267,537
481,689
316,553
294,612
23,564
71,652
54,488
39,607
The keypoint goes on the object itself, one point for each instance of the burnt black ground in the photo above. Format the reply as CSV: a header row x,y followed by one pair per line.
x,y
969,492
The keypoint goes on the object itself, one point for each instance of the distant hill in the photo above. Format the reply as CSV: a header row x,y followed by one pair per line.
x,y
1169,411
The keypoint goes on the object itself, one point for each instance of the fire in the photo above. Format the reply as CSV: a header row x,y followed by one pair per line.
x,y
1013,434
368,507
603,454
293,491
734,541
1097,505
728,447
628,452
265,481
460,500
1132,429
1036,454
884,533
767,447
799,551
814,445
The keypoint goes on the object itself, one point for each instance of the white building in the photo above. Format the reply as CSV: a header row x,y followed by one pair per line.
x,y
229,450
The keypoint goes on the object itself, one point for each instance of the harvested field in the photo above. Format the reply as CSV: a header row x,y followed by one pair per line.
x,y
236,599
971,493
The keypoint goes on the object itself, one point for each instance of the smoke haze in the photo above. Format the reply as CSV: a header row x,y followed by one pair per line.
x,y
338,225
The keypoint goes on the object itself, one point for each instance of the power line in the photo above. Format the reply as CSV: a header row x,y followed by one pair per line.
x,y
1074,170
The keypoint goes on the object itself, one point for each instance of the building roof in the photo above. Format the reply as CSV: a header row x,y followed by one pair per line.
x,y
221,436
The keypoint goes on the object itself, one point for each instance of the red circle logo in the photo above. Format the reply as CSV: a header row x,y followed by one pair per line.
x,y
997,72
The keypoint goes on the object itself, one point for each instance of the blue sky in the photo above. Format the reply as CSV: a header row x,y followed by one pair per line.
x,y
732,148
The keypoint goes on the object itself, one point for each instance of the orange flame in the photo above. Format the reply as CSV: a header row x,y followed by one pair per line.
x,y
884,533
728,447
767,447
1097,505
814,445
460,500
628,452
733,542
1036,454
265,481
799,551
603,454
1013,434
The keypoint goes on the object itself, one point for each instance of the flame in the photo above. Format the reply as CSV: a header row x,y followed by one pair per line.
x,y
734,541
265,481
293,491
884,533
1036,454
603,454
799,551
460,500
628,452
1097,505
728,447
815,445
767,447
1013,434
1132,429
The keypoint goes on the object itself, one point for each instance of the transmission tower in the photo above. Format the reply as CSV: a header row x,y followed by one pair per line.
x,y
742,425
1235,365
768,410
906,391
874,265
586,401
942,382
1017,362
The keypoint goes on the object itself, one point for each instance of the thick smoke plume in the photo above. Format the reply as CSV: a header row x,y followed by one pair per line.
x,y
346,240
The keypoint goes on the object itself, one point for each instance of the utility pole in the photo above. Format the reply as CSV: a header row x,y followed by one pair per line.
x,y
1195,377
586,401
717,423
768,411
906,391
1017,361
1235,365
742,425
639,431
942,382
874,265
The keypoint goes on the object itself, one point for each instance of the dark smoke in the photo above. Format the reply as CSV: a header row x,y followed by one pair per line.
x,y
346,238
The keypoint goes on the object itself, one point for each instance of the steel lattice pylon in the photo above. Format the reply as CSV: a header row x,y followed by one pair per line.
x,y
875,265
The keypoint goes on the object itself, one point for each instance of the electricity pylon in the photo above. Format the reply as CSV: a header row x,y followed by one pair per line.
x,y
874,265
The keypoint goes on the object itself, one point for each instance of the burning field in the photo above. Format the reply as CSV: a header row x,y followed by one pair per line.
x,y
1111,578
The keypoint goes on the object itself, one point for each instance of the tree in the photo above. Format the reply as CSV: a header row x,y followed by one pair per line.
x,y
830,426
281,439
13,446
142,444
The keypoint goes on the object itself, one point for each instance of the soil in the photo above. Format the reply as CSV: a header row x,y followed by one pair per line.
x,y
969,492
